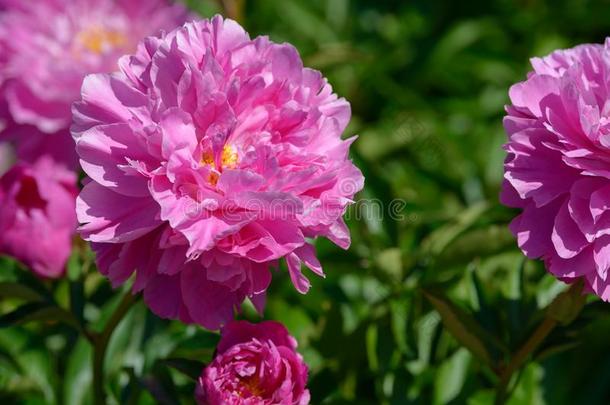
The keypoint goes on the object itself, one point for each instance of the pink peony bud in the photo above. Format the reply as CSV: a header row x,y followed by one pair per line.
x,y
254,364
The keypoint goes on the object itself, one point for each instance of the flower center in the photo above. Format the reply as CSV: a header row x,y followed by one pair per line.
x,y
252,385
228,159
98,40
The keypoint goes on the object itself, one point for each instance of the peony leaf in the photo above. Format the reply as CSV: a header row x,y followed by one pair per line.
x,y
440,239
77,378
188,367
567,305
160,386
399,316
451,377
463,327
556,349
37,311
372,334
19,291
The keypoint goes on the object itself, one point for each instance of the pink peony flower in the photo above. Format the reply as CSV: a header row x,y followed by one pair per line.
x,y
255,364
38,204
558,165
48,46
212,156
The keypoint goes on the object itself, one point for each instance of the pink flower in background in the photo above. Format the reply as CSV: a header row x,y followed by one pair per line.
x,y
37,219
558,165
48,46
211,156
254,364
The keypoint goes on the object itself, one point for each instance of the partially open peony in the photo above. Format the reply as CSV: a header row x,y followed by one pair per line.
x,y
558,165
37,219
211,157
255,364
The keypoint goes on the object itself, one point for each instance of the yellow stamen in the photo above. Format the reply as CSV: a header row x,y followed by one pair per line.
x,y
98,40
207,158
213,178
228,159
253,385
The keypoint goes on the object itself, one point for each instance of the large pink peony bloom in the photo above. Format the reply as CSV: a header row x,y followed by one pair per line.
x,y
558,164
48,46
211,156
37,219
255,364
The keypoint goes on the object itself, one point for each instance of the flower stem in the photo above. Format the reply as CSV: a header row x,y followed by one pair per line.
x,y
100,344
521,357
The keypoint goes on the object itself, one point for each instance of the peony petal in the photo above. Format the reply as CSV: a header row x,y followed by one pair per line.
x,y
566,237
300,282
111,217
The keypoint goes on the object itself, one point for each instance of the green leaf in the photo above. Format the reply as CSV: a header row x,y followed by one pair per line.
x,y
439,240
567,305
7,361
483,397
371,347
451,376
161,386
37,366
478,242
13,272
77,378
399,315
462,326
426,329
74,265
20,291
306,23
130,393
556,349
390,262
529,389
188,367
37,312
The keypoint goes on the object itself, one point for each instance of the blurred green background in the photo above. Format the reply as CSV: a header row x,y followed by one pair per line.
x,y
427,80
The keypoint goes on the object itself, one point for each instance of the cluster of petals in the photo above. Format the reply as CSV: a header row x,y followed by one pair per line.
x,y
37,215
47,47
211,156
255,364
558,166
